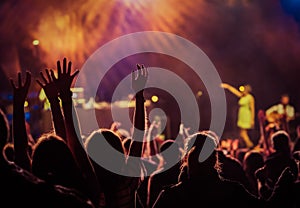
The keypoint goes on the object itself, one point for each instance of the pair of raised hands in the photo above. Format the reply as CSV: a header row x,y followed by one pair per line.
x,y
53,86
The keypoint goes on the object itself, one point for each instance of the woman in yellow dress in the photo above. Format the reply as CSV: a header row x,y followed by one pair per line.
x,y
246,112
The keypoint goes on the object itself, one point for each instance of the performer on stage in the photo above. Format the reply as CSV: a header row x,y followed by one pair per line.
x,y
281,114
246,112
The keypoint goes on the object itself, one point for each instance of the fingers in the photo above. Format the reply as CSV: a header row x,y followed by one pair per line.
x,y
74,74
69,67
133,76
65,66
12,83
139,70
28,79
52,75
145,71
19,79
58,68
142,70
48,75
39,82
43,77
65,69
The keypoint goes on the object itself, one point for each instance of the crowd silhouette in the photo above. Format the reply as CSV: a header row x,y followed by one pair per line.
x,y
61,168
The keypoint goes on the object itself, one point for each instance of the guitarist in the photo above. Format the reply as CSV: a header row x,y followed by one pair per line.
x,y
279,115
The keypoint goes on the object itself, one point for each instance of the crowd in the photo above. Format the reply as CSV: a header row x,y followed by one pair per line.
x,y
61,169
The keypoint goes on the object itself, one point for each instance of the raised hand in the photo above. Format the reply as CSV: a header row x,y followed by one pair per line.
x,y
138,82
52,94
48,85
20,136
63,83
139,78
152,126
21,91
64,78
115,125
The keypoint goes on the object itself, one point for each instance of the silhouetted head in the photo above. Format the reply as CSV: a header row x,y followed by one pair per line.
x,y
253,160
105,149
53,161
280,141
111,137
201,155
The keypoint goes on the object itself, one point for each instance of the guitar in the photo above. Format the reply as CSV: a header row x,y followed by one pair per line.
x,y
279,121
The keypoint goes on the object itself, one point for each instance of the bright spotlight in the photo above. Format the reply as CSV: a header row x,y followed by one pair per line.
x,y
199,93
242,88
35,42
154,99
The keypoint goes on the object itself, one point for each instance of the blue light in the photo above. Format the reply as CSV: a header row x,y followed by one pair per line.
x,y
292,7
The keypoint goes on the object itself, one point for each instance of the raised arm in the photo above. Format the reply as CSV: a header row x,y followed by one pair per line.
x,y
52,94
184,133
139,79
20,139
150,148
232,89
63,83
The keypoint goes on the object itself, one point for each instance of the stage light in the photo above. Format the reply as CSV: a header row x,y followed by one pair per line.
x,y
242,88
154,99
77,89
35,42
26,104
199,93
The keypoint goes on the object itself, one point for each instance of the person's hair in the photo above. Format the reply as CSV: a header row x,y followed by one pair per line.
x,y
198,139
281,141
110,137
4,129
252,161
104,145
195,144
8,152
52,160
284,95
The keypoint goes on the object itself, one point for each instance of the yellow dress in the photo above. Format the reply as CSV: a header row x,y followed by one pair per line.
x,y
244,112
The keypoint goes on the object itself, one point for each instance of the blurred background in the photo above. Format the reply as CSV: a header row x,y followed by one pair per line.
x,y
249,41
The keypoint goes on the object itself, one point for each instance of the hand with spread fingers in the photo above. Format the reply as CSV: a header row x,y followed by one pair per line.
x,y
64,78
52,94
20,92
139,78
48,85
